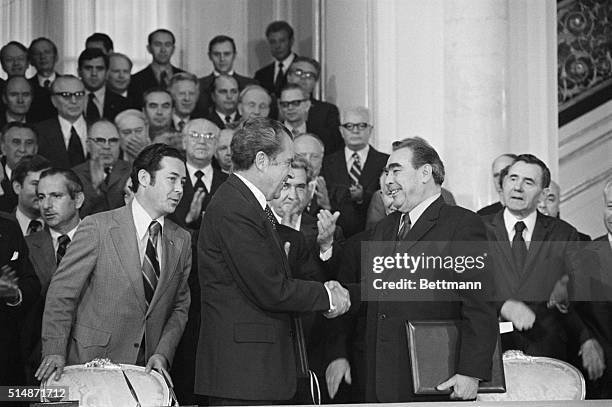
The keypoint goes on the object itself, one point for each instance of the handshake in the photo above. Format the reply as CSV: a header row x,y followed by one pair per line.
x,y
340,299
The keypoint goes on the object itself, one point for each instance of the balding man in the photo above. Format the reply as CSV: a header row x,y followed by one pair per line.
x,y
225,101
311,147
254,101
200,143
103,175
62,139
17,97
501,162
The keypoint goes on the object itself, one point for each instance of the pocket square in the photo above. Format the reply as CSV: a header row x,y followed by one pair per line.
x,y
15,256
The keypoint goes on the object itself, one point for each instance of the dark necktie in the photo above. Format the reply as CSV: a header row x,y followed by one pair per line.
x,y
62,244
33,227
92,114
355,172
107,172
150,263
181,125
404,228
47,83
199,184
75,148
278,81
163,79
271,217
519,247
228,119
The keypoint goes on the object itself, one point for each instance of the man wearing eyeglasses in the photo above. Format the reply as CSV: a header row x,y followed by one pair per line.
x,y
352,173
62,138
293,106
200,143
103,175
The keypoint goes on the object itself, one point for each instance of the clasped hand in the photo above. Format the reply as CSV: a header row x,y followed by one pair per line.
x,y
340,297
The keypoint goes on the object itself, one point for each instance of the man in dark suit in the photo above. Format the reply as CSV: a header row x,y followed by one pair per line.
x,y
17,99
246,349
17,140
352,174
43,56
501,162
19,288
103,176
62,138
415,176
93,67
14,59
225,101
119,77
121,290
530,253
161,45
273,77
222,53
61,196
323,117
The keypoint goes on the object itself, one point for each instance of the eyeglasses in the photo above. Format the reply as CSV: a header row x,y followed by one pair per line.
x,y
303,74
352,126
292,103
69,95
101,141
194,135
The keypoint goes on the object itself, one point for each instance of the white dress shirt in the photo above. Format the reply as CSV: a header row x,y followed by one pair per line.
x,y
42,79
81,128
206,178
24,221
363,155
55,235
286,64
142,220
510,220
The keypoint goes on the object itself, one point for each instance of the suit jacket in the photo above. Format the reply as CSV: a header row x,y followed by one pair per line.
x,y
183,207
217,120
96,305
324,121
554,243
265,77
379,341
490,209
110,194
114,104
144,80
246,351
51,143
8,201
14,252
352,215
206,84
41,108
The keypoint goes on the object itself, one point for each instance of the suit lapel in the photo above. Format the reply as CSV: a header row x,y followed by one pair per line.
x,y
538,238
123,235
43,245
171,246
501,236
425,222
368,171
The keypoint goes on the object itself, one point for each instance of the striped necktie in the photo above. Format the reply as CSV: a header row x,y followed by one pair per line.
x,y
355,172
404,228
150,264
62,245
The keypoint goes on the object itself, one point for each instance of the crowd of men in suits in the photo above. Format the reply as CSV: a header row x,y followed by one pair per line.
x,y
247,201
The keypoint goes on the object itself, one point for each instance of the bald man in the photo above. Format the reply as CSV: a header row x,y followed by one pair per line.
x,y
499,164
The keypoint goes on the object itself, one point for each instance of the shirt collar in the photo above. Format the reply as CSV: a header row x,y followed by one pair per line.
x,y
192,170
42,79
363,154
176,119
286,62
142,220
261,198
279,219
55,234
300,129
418,210
510,220
222,115
100,93
79,125
24,221
8,172
217,73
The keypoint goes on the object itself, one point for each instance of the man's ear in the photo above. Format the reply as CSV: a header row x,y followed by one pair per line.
x,y
79,199
426,172
16,187
144,178
262,161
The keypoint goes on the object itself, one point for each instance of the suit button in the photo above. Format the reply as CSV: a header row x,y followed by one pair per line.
x,y
382,316
137,345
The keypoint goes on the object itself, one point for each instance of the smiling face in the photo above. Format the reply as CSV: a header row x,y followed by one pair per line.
x,y
119,74
522,188
162,193
405,184
57,208
185,95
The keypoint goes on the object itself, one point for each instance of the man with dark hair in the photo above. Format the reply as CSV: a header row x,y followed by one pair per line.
x,y
352,174
17,99
24,181
14,59
17,140
158,106
184,90
121,290
246,349
62,138
225,101
531,252
93,68
103,175
323,117
222,53
415,174
273,77
43,56
161,45
293,106
501,162
101,41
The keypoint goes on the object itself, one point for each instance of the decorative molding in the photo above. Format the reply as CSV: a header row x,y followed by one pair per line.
x,y
584,131
591,145
585,185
